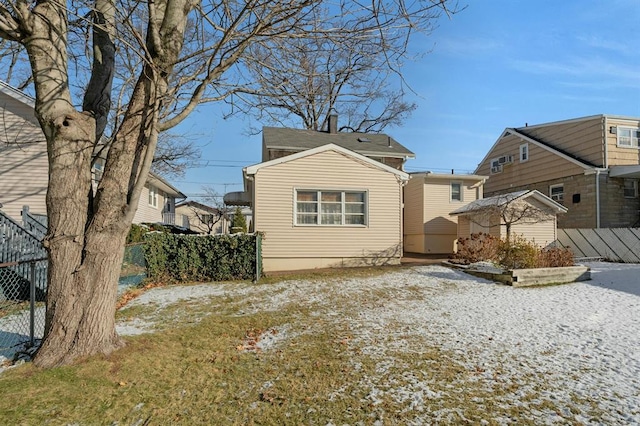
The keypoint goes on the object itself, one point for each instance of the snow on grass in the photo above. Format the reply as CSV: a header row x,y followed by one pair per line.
x,y
443,341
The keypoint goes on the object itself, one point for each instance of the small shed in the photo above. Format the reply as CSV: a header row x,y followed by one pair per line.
x,y
528,213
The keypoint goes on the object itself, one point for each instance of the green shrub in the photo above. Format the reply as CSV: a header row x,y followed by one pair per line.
x,y
239,223
172,257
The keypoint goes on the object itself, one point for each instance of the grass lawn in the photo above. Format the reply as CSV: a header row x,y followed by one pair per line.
x,y
335,349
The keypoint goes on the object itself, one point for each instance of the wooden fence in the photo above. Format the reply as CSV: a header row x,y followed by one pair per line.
x,y
614,244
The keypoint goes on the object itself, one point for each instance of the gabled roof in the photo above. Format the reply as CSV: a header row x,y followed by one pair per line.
x,y
162,184
198,205
518,132
369,144
502,199
17,94
252,170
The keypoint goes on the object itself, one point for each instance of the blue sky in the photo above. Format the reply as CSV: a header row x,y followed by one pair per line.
x,y
497,64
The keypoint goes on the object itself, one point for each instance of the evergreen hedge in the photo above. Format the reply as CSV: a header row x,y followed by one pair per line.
x,y
173,257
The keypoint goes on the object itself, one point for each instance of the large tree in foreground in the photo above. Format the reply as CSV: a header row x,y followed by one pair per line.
x,y
184,52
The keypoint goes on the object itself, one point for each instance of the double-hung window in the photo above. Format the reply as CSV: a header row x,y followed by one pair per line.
x,y
628,137
556,192
153,196
456,191
524,152
630,188
337,208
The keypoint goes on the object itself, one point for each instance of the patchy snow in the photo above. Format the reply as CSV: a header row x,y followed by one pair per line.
x,y
561,354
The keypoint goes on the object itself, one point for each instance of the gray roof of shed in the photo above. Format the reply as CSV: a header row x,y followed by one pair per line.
x,y
502,199
376,144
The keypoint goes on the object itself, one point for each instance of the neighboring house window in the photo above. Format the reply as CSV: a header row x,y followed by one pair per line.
x,y
207,218
630,188
330,207
524,152
456,191
627,137
556,192
496,167
153,196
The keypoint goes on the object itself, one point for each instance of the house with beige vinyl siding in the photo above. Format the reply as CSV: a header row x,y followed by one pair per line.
x,y
429,198
24,166
326,207
529,214
590,165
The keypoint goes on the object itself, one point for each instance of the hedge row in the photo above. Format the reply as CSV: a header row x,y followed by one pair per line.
x,y
200,258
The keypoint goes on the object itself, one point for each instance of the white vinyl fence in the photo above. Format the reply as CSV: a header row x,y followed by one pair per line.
x,y
614,244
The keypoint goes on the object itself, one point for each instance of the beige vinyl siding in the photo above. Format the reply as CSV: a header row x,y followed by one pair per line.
x,y
414,214
196,225
23,160
620,156
428,227
542,165
580,138
542,233
287,246
146,213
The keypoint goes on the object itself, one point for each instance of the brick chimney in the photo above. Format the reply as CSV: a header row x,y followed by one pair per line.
x,y
333,123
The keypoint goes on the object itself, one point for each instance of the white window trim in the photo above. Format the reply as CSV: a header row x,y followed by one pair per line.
x,y
153,196
633,139
494,165
342,225
552,187
456,182
524,149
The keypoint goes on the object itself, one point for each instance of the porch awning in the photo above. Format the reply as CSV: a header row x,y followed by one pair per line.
x,y
237,198
630,172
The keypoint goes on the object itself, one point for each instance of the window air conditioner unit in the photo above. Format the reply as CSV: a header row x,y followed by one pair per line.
x,y
505,159
496,169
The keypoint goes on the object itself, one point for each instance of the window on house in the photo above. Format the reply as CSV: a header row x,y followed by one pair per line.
x,y
153,196
556,192
456,191
207,218
630,188
627,137
330,207
496,167
524,152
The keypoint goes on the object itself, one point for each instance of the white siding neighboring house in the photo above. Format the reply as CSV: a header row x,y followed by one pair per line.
x,y
537,215
325,207
24,166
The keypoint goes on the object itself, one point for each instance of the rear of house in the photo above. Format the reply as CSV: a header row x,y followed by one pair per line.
x,y
327,207
428,200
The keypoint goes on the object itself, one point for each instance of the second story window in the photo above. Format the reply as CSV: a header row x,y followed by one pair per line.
x,y
456,191
556,192
627,137
524,152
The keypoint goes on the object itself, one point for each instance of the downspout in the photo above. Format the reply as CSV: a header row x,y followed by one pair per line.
x,y
598,198
402,183
606,166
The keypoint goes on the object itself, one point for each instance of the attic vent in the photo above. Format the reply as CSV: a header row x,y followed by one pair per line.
x,y
363,139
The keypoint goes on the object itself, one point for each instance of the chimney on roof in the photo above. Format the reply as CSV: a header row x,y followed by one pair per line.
x,y
333,123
